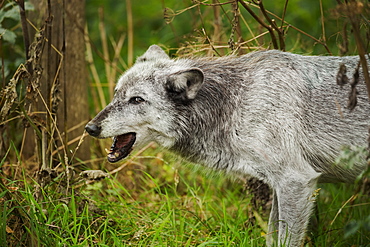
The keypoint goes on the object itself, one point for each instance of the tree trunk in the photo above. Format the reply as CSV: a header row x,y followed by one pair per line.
x,y
75,111
64,77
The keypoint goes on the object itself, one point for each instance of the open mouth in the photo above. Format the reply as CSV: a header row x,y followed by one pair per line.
x,y
121,147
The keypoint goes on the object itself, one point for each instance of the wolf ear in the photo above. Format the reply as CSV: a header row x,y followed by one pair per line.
x,y
154,52
184,85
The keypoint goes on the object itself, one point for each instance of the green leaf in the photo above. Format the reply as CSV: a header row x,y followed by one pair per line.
x,y
7,35
12,12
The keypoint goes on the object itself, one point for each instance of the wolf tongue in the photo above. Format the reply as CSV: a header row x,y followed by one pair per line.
x,y
122,140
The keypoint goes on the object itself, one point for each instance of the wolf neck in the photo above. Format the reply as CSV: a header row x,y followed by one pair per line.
x,y
205,128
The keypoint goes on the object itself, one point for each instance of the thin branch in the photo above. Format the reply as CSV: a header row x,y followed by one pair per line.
x,y
117,47
271,31
130,34
26,36
93,69
299,30
274,25
103,38
217,23
205,33
284,12
128,162
312,37
213,4
322,22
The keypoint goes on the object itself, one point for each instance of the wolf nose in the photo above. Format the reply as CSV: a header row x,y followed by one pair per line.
x,y
93,129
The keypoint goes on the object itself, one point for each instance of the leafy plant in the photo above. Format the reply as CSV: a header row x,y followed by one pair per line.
x,y
10,33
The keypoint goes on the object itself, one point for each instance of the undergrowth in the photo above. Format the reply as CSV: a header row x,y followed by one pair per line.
x,y
174,208
187,210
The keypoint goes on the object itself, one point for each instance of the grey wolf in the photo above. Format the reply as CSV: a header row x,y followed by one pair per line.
x,y
277,116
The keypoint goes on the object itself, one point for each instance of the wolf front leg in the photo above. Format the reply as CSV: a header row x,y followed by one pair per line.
x,y
273,222
291,209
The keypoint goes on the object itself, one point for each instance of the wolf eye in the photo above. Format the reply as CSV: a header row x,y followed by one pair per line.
x,y
136,100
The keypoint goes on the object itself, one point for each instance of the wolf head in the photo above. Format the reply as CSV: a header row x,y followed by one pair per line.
x,y
142,108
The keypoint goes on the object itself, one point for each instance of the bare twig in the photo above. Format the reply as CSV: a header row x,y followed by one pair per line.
x,y
70,142
94,71
26,37
273,25
269,28
130,34
128,162
284,12
213,4
217,21
103,38
53,122
297,29
322,22
351,199
80,140
205,32
117,51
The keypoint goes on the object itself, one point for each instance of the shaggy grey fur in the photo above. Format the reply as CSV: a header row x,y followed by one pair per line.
x,y
274,115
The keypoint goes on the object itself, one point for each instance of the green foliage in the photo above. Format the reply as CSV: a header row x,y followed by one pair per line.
x,y
354,226
12,48
165,207
191,23
205,215
349,156
342,216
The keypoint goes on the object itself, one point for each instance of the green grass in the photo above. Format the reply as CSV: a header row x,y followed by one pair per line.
x,y
161,206
337,211
202,215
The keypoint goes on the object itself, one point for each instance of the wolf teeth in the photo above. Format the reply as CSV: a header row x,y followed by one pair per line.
x,y
113,155
107,150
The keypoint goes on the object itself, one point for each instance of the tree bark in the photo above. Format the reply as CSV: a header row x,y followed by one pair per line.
x,y
64,78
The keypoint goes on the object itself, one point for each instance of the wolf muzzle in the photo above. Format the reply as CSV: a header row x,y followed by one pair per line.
x,y
93,129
